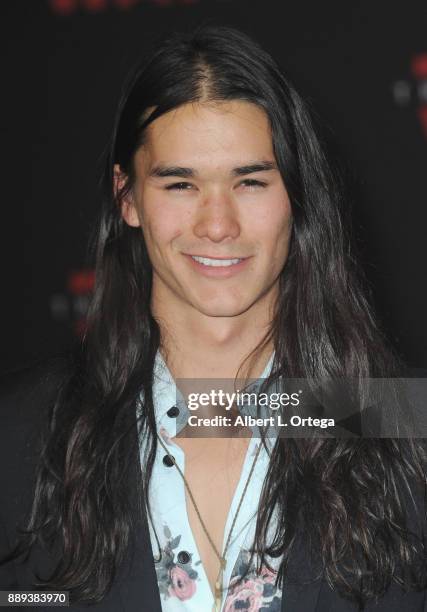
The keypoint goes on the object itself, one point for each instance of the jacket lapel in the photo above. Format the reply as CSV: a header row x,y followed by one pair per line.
x,y
302,584
138,586
137,579
300,598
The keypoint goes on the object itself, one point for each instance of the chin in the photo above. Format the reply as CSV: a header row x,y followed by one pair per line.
x,y
221,309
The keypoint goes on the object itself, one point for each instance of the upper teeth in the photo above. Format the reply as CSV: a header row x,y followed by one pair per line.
x,y
207,261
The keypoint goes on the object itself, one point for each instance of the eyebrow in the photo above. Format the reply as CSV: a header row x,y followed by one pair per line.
x,y
181,172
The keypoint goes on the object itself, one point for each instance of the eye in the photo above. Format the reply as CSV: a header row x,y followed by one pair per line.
x,y
182,186
253,184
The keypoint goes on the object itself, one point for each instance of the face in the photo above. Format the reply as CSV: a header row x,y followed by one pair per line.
x,y
213,209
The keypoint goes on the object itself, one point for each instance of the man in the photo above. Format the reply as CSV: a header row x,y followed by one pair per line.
x,y
221,253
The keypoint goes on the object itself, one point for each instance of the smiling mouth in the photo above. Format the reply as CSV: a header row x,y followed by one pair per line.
x,y
216,262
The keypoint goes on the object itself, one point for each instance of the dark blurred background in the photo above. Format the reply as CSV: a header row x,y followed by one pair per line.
x,y
362,66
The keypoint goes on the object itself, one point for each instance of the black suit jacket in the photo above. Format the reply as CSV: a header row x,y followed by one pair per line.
x,y
23,408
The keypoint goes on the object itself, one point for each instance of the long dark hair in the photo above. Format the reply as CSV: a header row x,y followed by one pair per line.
x,y
346,493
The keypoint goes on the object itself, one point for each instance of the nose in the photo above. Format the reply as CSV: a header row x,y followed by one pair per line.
x,y
217,218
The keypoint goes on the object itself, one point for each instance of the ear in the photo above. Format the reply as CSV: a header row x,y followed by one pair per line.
x,y
127,205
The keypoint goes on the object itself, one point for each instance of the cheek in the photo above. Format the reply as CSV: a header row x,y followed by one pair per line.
x,y
274,225
160,226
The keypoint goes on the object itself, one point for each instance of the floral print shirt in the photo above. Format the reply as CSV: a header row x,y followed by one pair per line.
x,y
182,581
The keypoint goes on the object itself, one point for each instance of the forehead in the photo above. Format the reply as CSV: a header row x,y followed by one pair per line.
x,y
208,134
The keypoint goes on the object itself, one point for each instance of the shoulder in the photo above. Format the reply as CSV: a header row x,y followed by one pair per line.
x,y
26,397
416,405
25,392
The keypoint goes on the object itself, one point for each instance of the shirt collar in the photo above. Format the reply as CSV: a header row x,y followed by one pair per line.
x,y
166,396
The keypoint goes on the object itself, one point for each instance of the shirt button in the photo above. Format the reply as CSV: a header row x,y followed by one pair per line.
x,y
184,557
169,460
173,412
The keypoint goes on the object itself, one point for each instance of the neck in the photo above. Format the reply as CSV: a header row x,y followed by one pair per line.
x,y
198,346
